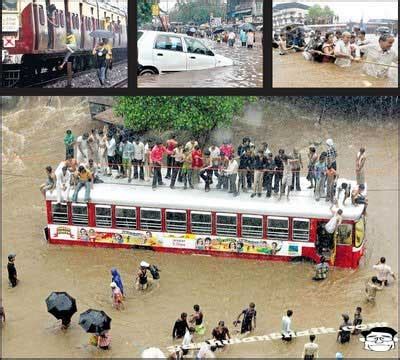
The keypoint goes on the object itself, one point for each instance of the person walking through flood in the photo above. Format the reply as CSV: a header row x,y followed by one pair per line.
x,y
371,288
243,38
221,333
12,271
231,39
383,271
310,350
286,331
180,327
141,277
321,270
116,278
249,319
197,320
343,50
104,340
357,320
116,296
344,334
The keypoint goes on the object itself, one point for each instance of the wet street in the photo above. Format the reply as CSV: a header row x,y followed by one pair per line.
x,y
292,70
33,138
247,71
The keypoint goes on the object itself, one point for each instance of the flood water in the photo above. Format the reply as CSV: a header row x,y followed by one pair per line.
x,y
292,70
32,139
247,70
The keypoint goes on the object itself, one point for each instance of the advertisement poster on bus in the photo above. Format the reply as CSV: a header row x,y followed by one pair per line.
x,y
174,241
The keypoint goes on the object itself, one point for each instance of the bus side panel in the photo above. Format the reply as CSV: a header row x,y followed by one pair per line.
x,y
309,252
344,256
49,212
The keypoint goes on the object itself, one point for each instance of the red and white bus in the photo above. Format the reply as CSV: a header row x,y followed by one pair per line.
x,y
213,223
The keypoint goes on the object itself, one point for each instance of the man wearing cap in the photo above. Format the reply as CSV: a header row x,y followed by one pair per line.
x,y
12,271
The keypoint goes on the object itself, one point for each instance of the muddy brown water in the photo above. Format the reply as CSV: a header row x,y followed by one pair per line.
x,y
32,139
246,72
292,70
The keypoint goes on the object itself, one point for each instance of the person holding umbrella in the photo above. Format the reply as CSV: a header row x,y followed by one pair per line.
x,y
104,340
97,322
62,306
100,52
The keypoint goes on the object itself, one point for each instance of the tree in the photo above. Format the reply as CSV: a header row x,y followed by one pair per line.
x,y
198,114
318,15
143,12
196,12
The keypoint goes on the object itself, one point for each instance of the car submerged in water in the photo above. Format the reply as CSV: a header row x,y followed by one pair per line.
x,y
160,52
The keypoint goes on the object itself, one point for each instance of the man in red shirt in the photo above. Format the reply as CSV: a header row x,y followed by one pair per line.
x,y
156,157
197,164
227,149
171,145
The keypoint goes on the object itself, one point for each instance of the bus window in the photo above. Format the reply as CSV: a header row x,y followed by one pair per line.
x,y
344,234
103,216
150,219
252,226
301,229
278,228
79,214
226,224
60,213
176,221
125,217
201,222
360,232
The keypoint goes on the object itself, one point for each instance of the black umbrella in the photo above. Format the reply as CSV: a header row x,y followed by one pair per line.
x,y
247,27
94,321
218,30
61,305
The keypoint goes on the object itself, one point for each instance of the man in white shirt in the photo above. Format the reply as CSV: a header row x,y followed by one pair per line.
x,y
332,225
138,159
187,340
82,149
286,331
310,350
231,38
384,271
343,51
215,158
232,172
63,181
380,54
111,146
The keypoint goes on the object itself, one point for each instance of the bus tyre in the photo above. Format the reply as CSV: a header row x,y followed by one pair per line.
x,y
302,259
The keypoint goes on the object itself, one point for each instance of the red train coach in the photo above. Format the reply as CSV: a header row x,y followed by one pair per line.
x,y
31,44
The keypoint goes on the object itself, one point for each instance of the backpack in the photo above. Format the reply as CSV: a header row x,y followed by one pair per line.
x,y
154,272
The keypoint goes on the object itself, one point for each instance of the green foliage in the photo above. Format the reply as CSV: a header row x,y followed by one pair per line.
x,y
198,114
318,15
197,12
144,11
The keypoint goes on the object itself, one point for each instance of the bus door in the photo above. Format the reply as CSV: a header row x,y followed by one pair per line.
x,y
324,243
359,241
343,240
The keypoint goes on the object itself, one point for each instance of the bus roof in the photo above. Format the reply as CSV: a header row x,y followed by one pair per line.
x,y
300,204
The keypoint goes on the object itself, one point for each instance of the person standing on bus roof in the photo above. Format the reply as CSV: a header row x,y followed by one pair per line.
x,y
138,158
69,142
63,176
84,180
50,183
156,157
258,167
206,171
178,155
171,145
111,146
320,176
331,153
232,172
331,176
82,143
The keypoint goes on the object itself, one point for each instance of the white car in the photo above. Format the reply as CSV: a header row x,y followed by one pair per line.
x,y
167,52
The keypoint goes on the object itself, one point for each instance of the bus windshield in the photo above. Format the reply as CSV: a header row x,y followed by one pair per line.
x,y
9,5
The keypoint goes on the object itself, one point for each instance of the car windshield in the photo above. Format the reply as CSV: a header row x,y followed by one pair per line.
x,y
196,47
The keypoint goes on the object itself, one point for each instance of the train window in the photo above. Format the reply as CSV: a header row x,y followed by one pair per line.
x,y
278,228
41,15
60,213
125,217
176,220
201,222
301,229
79,214
103,216
252,226
150,219
62,19
226,224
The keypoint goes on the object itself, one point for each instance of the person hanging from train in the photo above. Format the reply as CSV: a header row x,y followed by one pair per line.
x,y
70,44
51,10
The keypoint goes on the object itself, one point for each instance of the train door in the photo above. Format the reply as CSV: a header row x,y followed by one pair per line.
x,y
81,16
50,10
36,25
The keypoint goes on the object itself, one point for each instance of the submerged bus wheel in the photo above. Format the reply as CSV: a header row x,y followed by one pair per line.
x,y
302,259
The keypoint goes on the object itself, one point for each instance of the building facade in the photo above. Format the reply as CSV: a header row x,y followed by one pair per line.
x,y
289,13
241,9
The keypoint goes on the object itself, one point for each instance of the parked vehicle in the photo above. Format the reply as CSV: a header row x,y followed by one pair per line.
x,y
169,52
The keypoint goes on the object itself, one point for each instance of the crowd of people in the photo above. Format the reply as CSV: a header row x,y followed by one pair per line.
x,y
341,48
119,153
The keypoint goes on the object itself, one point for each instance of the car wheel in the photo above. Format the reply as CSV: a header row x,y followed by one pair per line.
x,y
147,71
